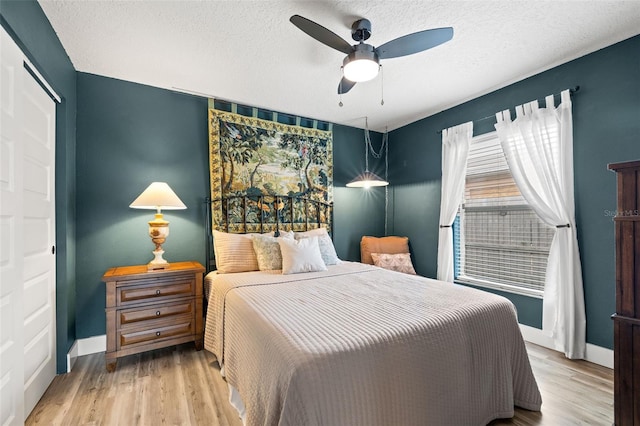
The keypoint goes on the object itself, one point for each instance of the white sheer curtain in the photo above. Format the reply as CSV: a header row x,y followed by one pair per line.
x,y
455,150
538,146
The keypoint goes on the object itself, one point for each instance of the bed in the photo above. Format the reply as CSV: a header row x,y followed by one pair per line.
x,y
354,344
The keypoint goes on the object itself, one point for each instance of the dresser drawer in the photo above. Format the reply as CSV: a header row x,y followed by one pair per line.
x,y
179,327
138,317
143,291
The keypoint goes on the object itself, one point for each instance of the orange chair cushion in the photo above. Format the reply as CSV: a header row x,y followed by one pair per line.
x,y
389,245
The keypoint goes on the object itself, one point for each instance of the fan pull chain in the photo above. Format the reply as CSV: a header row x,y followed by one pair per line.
x,y
386,177
340,104
367,144
381,85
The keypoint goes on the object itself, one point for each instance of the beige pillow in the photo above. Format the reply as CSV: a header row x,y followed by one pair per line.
x,y
301,255
234,252
400,262
390,245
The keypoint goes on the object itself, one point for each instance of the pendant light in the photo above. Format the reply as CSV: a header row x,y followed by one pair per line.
x,y
368,179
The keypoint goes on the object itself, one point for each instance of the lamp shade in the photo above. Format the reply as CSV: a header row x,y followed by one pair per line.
x,y
158,196
367,180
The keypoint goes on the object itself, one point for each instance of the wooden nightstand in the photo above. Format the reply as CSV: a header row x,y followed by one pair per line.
x,y
152,309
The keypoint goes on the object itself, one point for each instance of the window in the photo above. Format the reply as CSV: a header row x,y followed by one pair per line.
x,y
499,241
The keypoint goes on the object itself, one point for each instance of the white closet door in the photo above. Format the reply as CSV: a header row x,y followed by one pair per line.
x,y
11,226
27,215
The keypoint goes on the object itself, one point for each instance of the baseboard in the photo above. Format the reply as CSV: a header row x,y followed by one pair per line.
x,y
88,346
72,356
535,335
599,355
595,354
92,345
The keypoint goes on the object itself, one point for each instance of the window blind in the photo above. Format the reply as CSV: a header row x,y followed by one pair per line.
x,y
499,240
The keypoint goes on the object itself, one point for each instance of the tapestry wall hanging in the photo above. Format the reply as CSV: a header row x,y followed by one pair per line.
x,y
253,161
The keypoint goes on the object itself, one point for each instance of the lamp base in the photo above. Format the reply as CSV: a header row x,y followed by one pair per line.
x,y
158,262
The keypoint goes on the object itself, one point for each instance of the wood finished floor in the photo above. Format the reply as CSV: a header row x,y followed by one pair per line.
x,y
180,386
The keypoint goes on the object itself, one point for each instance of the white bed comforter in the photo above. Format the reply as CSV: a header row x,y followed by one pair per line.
x,y
357,345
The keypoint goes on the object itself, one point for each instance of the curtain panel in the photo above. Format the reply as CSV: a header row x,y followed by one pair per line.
x,y
455,150
538,146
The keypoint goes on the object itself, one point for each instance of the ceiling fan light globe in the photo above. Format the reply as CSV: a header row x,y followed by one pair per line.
x,y
361,70
362,64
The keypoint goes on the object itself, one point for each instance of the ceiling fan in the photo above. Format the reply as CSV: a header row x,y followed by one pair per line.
x,y
363,60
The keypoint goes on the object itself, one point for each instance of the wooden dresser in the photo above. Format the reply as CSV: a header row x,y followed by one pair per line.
x,y
152,309
627,316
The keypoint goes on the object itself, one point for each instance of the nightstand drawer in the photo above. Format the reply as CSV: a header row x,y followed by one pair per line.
x,y
137,317
139,291
179,327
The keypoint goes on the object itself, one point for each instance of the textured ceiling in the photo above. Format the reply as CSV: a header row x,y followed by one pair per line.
x,y
248,51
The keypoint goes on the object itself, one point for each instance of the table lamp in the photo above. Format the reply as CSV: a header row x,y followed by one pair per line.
x,y
158,196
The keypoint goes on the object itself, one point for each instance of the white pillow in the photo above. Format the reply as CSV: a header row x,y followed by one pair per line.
x,y
234,252
301,256
327,249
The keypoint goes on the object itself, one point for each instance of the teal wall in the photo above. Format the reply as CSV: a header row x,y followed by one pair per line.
x,y
31,30
606,117
130,135
357,211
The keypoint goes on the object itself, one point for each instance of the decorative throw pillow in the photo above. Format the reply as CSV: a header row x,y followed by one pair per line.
x,y
301,255
234,252
400,262
327,249
267,251
390,245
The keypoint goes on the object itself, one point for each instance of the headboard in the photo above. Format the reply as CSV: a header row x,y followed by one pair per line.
x,y
265,213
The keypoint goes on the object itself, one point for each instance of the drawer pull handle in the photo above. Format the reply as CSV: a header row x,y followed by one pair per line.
x,y
158,292
157,333
157,313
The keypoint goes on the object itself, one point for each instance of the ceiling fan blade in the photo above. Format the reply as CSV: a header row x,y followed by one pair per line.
x,y
414,43
345,85
321,34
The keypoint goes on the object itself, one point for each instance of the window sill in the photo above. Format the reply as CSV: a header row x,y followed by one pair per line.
x,y
501,287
